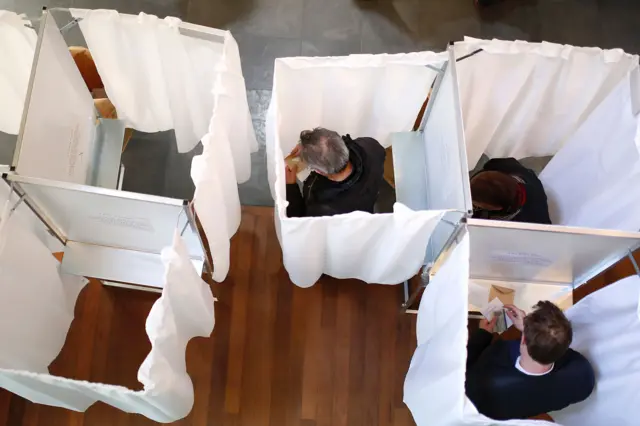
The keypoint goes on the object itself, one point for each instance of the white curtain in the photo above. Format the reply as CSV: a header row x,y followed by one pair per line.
x,y
17,47
578,104
588,183
605,330
363,95
434,385
160,79
36,300
524,99
226,154
37,330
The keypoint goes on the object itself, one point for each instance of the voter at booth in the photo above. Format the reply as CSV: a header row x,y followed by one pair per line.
x,y
535,375
346,174
506,190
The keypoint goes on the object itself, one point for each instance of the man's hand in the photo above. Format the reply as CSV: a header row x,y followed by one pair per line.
x,y
516,315
290,175
488,325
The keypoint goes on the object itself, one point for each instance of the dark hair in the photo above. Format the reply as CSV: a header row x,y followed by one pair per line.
x,y
324,150
547,333
494,190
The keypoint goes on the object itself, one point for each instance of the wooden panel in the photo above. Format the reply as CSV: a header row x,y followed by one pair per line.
x,y
333,354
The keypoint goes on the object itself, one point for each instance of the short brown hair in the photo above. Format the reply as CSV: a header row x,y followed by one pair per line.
x,y
547,333
494,190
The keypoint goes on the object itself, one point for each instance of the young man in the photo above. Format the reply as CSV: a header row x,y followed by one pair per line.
x,y
346,174
525,378
506,190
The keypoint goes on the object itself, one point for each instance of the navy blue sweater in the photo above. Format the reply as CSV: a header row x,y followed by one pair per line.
x,y
500,391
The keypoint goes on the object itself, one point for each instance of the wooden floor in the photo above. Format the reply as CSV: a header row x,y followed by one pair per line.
x,y
334,354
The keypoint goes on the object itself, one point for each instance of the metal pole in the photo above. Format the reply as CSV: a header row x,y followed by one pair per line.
x,y
432,98
414,295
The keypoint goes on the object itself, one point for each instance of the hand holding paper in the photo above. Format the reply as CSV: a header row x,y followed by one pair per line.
x,y
488,325
516,315
496,308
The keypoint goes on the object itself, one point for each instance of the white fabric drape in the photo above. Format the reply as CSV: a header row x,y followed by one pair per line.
x,y
226,153
605,330
363,95
588,183
184,311
434,385
159,79
17,47
524,99
36,303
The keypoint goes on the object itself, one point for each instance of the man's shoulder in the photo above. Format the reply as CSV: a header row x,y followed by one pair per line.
x,y
367,142
370,146
575,364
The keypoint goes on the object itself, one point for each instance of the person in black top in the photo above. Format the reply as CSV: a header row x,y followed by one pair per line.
x,y
532,376
506,190
346,174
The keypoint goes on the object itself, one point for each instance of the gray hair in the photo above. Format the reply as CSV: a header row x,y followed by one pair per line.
x,y
324,150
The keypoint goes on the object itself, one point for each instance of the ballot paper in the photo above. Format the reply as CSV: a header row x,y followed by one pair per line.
x,y
295,163
493,308
299,166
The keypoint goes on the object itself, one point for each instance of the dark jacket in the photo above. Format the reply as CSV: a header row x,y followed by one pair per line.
x,y
324,197
535,208
500,391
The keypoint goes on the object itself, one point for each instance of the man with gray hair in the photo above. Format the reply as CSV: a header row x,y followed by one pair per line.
x,y
346,174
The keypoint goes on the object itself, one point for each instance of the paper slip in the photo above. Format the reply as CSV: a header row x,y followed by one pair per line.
x,y
496,307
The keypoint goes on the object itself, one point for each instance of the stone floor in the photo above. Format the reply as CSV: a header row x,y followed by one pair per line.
x,y
267,29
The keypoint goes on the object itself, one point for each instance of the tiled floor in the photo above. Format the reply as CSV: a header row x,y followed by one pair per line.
x,y
266,29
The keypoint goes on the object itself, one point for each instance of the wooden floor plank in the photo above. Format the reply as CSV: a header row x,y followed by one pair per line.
x,y
241,276
326,362
389,316
256,376
342,350
280,370
357,355
301,300
313,354
5,403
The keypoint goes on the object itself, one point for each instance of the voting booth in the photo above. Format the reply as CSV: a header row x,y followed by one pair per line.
x,y
579,105
67,162
603,323
65,178
376,96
